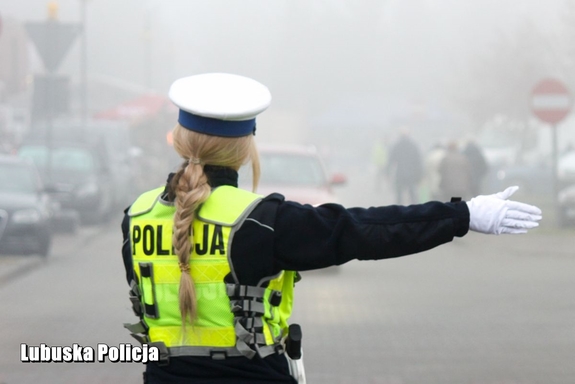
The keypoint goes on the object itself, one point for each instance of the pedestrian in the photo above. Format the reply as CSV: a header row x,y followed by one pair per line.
x,y
212,267
455,173
478,165
405,164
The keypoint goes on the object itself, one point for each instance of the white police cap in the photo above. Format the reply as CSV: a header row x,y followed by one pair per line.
x,y
219,104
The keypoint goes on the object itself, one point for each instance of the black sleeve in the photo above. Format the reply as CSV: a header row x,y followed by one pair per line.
x,y
307,237
253,245
126,248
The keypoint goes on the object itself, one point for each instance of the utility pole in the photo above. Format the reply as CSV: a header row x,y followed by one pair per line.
x,y
551,102
52,40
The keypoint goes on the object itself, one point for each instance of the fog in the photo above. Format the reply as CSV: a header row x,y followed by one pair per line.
x,y
341,75
310,55
379,91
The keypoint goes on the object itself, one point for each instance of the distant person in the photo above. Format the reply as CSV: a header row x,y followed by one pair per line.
x,y
454,173
479,166
405,164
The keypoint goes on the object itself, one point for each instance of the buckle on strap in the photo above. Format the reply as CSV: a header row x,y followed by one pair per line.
x,y
266,350
136,298
250,322
248,306
164,353
138,331
242,334
247,340
218,355
244,291
142,339
136,305
134,289
139,327
245,349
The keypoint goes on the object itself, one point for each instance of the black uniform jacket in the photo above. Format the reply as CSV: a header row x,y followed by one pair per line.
x,y
284,235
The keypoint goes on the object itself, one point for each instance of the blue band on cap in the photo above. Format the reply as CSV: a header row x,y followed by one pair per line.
x,y
216,127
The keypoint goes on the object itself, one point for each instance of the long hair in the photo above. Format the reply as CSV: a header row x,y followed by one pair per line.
x,y
191,188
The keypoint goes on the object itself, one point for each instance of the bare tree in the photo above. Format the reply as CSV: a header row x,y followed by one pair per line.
x,y
500,81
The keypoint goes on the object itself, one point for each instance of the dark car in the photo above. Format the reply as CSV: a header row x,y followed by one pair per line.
x,y
25,209
76,175
534,178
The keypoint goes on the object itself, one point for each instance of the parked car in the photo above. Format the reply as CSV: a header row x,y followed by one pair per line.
x,y
295,171
76,175
102,180
534,178
25,209
566,168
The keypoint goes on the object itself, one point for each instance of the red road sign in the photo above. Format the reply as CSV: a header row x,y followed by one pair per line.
x,y
551,101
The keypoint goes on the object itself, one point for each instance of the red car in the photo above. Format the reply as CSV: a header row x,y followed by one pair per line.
x,y
295,171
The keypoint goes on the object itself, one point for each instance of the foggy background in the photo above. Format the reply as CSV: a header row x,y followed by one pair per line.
x,y
465,60
341,75
346,77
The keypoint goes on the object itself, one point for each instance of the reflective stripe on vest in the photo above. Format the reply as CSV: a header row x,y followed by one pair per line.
x,y
218,327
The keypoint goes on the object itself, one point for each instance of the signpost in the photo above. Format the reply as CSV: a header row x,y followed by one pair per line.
x,y
52,39
551,102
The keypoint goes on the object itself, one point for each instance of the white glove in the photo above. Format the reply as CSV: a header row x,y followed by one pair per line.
x,y
494,214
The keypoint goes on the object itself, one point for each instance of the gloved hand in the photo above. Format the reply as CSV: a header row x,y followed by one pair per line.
x,y
494,214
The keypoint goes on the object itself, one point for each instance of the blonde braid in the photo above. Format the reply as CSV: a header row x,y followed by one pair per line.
x,y
192,189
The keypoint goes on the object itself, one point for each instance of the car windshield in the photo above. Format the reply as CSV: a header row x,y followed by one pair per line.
x,y
15,178
63,158
291,169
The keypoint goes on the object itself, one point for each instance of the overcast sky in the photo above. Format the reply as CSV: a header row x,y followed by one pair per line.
x,y
309,53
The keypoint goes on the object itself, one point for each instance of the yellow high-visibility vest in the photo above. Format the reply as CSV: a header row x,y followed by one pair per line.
x,y
233,319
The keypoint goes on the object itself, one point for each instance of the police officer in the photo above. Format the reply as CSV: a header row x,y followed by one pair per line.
x,y
212,267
